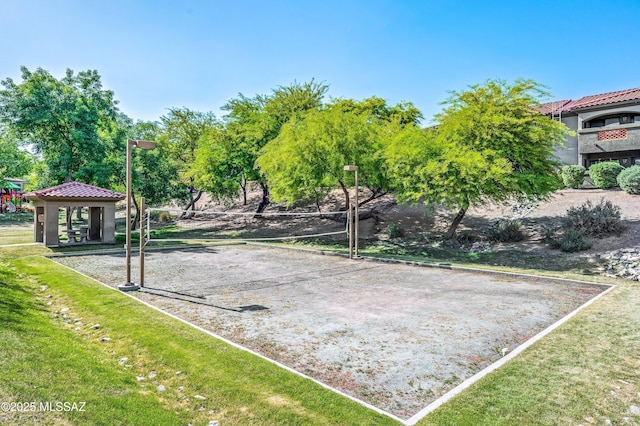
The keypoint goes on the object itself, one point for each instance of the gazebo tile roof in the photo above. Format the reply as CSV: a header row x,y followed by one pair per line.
x,y
77,190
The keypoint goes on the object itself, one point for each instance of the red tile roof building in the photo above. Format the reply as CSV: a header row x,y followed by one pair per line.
x,y
99,204
76,190
606,126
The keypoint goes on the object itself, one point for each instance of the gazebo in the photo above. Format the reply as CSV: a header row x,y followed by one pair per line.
x,y
101,204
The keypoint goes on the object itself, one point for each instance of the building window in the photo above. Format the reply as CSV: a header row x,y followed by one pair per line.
x,y
610,120
594,123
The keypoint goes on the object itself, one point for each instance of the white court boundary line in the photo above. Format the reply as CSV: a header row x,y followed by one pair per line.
x,y
435,404
502,361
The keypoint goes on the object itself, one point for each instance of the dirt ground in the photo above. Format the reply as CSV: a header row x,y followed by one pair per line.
x,y
396,336
417,221
423,225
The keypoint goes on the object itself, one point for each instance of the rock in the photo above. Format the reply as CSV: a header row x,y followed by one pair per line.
x,y
95,327
178,372
161,388
180,388
214,423
123,360
152,374
199,397
634,410
614,394
105,339
77,329
623,264
48,296
43,288
140,378
63,310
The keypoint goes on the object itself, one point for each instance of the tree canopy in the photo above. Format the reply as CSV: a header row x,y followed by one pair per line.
x,y
14,161
490,144
306,161
179,138
251,123
62,119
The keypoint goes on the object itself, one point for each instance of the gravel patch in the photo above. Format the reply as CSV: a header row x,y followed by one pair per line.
x,y
397,336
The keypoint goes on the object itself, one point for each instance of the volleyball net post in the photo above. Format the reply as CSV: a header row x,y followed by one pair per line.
x,y
143,237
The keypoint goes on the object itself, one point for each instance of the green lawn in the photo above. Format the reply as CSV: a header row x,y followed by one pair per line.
x,y
585,372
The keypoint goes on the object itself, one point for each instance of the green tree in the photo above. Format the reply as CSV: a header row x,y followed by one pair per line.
x,y
62,120
306,161
154,174
490,144
219,167
181,131
14,160
254,122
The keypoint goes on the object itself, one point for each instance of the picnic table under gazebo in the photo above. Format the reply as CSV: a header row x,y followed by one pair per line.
x,y
100,203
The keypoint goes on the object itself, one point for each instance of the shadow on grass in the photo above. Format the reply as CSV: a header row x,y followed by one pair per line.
x,y
16,302
16,218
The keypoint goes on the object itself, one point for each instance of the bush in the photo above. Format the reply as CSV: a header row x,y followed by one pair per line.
x,y
573,176
506,231
570,241
629,180
598,220
161,216
395,230
604,174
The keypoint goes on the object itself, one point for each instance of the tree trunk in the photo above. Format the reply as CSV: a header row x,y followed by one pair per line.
x,y
79,213
451,233
136,217
345,190
265,198
243,186
192,206
374,194
69,216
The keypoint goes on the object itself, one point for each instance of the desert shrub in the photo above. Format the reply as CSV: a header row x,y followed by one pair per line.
x,y
506,231
160,216
165,217
604,174
596,220
573,175
395,230
570,241
629,180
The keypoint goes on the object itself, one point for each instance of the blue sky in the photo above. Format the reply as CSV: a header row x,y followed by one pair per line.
x,y
198,54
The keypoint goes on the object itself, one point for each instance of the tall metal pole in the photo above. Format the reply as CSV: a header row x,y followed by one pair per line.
x,y
350,229
128,223
357,213
128,285
351,168
143,219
